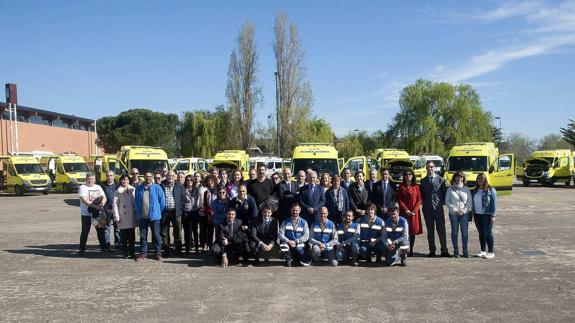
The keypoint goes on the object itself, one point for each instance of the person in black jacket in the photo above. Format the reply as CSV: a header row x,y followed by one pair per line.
x,y
358,196
231,240
264,235
433,189
245,206
383,194
287,191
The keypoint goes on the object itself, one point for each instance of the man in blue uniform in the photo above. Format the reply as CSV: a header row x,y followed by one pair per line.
x,y
348,234
370,235
293,234
323,238
395,238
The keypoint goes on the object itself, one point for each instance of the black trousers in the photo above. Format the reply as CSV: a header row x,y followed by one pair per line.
x,y
233,250
128,238
435,220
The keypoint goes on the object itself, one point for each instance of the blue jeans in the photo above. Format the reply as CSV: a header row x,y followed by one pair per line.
x,y
459,223
345,252
365,249
86,226
485,229
156,238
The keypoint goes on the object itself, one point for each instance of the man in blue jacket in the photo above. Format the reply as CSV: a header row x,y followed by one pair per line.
x,y
150,202
395,238
312,198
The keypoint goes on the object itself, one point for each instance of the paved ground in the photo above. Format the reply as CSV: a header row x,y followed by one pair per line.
x,y
532,277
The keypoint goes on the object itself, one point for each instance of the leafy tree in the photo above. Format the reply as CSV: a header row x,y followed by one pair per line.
x,y
318,130
295,96
138,127
433,117
242,91
520,145
569,133
553,141
349,146
203,133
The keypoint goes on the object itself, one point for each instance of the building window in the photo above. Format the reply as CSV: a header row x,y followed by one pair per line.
x,y
39,119
61,124
83,127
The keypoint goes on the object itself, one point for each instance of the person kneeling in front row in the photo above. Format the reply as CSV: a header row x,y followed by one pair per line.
x,y
348,235
323,238
293,234
231,240
395,238
264,234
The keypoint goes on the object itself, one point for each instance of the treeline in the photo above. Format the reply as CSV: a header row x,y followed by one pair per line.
x,y
432,117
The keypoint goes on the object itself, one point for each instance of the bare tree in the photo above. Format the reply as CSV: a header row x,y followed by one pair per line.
x,y
295,96
243,92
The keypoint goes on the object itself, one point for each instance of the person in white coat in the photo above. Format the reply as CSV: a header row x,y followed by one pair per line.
x,y
459,201
125,215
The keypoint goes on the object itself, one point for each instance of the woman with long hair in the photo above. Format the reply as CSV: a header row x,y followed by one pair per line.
x,y
409,200
484,209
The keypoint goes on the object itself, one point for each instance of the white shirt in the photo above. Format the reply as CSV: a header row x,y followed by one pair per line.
x,y
91,193
478,202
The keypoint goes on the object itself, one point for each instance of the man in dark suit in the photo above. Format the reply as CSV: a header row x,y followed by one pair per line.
x,y
312,198
433,191
287,191
358,196
383,194
264,235
231,240
371,180
346,178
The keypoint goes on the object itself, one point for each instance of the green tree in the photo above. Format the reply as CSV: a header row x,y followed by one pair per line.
x,y
520,145
242,91
295,96
318,130
553,141
569,133
138,127
350,145
433,117
203,133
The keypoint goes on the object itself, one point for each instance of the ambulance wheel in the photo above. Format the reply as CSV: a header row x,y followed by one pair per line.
x,y
18,190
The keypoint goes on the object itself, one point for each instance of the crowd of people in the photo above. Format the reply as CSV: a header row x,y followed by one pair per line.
x,y
315,217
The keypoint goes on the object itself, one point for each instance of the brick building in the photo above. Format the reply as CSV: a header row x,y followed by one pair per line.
x,y
41,130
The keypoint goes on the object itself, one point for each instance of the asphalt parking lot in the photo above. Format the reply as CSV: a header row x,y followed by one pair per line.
x,y
532,277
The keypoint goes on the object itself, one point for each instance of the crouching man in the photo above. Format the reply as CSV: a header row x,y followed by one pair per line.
x,y
323,238
231,240
293,234
395,238
264,234
348,235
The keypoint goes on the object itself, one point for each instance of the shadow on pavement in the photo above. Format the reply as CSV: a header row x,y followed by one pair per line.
x,y
72,202
66,251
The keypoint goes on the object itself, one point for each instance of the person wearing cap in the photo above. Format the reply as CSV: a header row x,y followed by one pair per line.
x,y
348,234
395,238
323,238
370,235
293,234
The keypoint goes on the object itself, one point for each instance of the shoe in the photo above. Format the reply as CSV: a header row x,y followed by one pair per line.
x,y
354,263
159,257
445,255
141,258
166,254
305,264
403,259
481,254
81,253
125,256
490,255
378,259
368,260
455,256
410,254
256,262
431,254
287,264
465,255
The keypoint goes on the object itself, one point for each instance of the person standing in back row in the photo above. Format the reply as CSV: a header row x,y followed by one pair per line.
x,y
150,202
175,197
383,194
484,208
262,188
433,191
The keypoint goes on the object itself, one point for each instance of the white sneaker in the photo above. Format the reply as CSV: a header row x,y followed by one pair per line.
x,y
305,264
489,255
482,254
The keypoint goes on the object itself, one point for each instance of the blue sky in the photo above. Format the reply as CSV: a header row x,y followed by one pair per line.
x,y
98,58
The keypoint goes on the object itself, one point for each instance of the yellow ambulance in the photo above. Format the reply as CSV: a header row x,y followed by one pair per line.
x,y
231,160
190,165
143,158
66,171
320,157
548,167
482,157
100,165
22,174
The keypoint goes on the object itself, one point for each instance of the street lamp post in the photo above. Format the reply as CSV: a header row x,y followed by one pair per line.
x,y
500,134
278,111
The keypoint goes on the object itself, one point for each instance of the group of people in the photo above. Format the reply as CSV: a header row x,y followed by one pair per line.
x,y
336,218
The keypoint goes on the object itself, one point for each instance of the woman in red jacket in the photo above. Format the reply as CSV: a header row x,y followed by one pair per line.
x,y
409,200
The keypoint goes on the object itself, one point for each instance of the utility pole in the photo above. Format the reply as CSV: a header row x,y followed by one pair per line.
x,y
278,112
500,134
